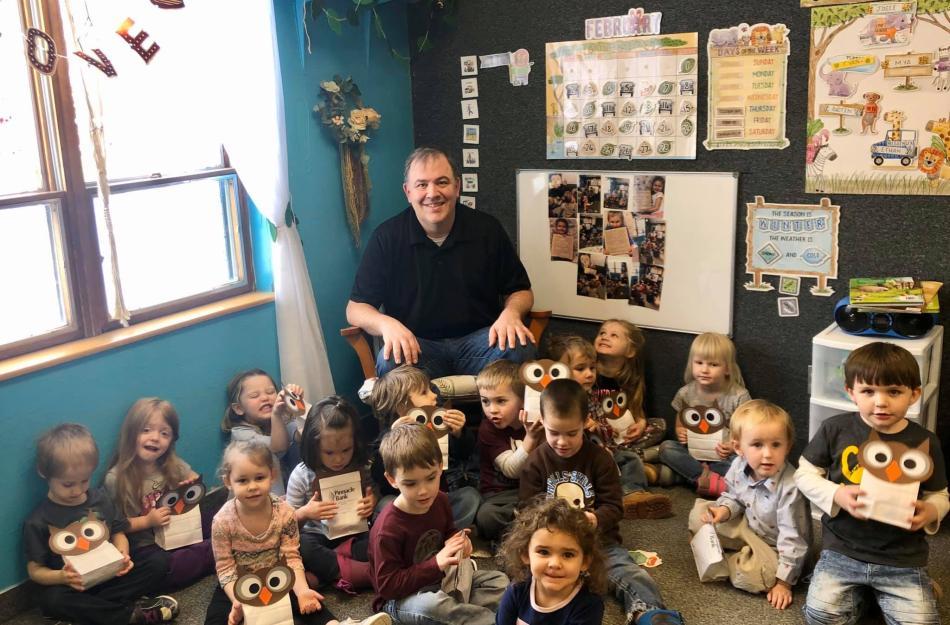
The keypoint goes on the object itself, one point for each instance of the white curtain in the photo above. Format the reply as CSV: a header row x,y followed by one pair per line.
x,y
252,117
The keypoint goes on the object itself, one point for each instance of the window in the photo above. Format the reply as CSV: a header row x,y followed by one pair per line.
x,y
178,218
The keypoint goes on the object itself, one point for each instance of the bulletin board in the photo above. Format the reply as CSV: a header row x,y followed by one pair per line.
x,y
698,269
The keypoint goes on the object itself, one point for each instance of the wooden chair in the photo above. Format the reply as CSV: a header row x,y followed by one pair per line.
x,y
361,342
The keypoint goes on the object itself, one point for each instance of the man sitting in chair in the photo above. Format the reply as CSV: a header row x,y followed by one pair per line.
x,y
452,290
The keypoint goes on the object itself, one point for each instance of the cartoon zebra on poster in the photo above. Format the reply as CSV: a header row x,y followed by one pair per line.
x,y
942,67
817,154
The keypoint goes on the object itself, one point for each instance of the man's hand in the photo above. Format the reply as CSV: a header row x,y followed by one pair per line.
x,y
508,329
399,342
716,514
847,499
364,509
780,596
635,431
159,517
455,419
925,513
71,578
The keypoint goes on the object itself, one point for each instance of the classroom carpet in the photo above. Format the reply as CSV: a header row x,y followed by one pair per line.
x,y
701,604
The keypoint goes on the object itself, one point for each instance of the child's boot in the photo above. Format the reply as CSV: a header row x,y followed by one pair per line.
x,y
644,505
710,484
660,617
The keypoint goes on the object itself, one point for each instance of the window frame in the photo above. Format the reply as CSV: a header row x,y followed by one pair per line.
x,y
87,312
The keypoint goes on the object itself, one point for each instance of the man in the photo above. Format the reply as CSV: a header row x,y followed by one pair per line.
x,y
452,290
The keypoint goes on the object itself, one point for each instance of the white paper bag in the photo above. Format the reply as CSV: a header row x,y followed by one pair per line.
x,y
532,404
183,530
96,566
346,489
710,562
279,613
887,502
620,425
703,446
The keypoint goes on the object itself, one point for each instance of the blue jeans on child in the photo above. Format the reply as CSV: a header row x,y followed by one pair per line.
x,y
434,607
840,584
676,456
633,479
629,583
464,355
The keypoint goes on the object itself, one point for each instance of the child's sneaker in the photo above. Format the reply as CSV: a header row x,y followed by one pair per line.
x,y
380,618
160,609
660,617
710,484
644,505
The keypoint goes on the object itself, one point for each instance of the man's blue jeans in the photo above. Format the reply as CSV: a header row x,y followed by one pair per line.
x,y
459,356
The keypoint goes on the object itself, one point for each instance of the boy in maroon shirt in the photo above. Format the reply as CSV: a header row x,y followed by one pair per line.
x,y
413,541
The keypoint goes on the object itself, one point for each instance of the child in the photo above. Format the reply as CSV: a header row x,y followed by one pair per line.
x,y
552,554
408,386
413,541
257,411
329,444
860,555
712,376
569,466
657,187
581,356
504,442
143,468
66,457
773,535
256,530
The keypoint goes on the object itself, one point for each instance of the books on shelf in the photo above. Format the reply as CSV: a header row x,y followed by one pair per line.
x,y
894,294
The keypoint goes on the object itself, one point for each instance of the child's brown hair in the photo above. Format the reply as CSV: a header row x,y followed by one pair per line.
x,y
882,364
498,374
631,373
409,446
65,446
393,389
566,398
567,347
256,451
758,412
234,390
332,413
553,514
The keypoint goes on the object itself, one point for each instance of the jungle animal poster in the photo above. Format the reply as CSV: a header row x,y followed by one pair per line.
x,y
879,92
624,98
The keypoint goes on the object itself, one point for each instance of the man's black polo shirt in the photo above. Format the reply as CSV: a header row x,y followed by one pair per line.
x,y
440,292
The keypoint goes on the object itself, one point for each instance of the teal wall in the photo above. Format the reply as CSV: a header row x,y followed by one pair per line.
x,y
314,161
190,367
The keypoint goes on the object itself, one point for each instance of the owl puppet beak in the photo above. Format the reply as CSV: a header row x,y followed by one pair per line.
x,y
430,426
265,596
179,506
893,471
616,410
82,544
703,426
545,380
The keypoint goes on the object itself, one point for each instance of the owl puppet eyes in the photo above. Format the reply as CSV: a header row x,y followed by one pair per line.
x,y
432,417
264,586
539,373
895,462
702,419
614,403
79,537
183,498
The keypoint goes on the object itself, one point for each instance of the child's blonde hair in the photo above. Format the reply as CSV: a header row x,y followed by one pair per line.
x,y
498,374
409,446
553,514
234,390
567,348
393,389
332,413
713,346
759,412
64,446
254,450
630,376
128,474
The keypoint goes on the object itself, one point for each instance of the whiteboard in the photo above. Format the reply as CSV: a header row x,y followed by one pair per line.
x,y
699,263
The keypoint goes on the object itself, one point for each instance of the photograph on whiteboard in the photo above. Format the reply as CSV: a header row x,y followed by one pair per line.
x,y
564,239
617,193
617,232
653,246
618,277
747,83
877,104
622,98
592,275
592,233
589,193
650,192
647,289
562,195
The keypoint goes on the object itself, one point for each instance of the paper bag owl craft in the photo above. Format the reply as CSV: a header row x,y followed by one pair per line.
x,y
705,427
891,477
432,417
619,418
297,408
85,545
536,375
184,527
346,488
265,594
